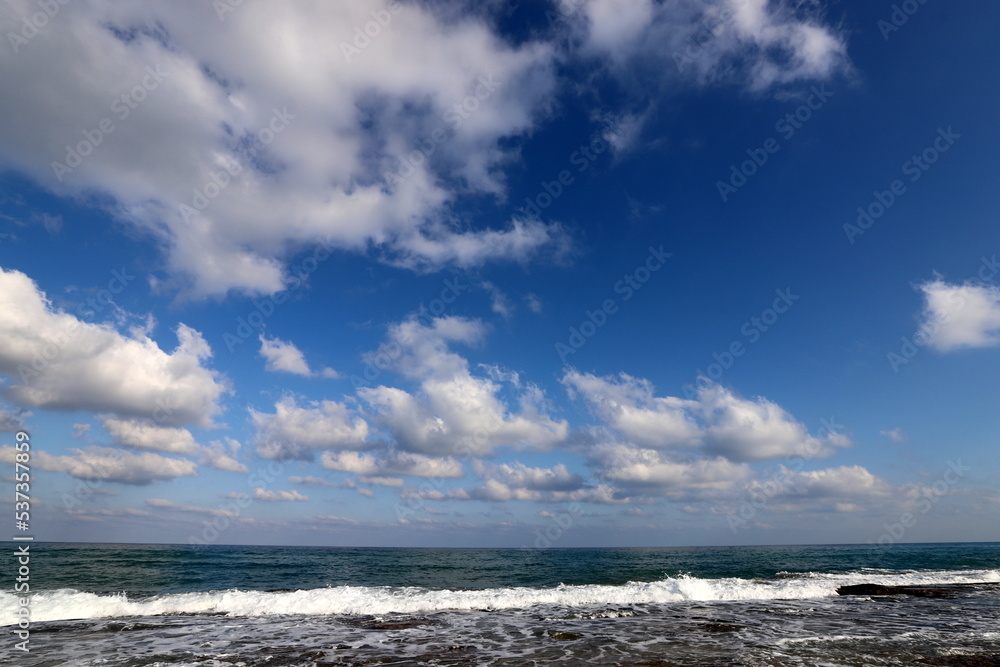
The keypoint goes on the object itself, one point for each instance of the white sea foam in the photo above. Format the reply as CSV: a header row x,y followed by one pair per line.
x,y
69,604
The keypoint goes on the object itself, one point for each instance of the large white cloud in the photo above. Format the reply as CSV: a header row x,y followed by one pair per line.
x,y
716,422
757,43
392,463
454,411
272,133
960,316
59,362
147,435
294,431
110,465
281,355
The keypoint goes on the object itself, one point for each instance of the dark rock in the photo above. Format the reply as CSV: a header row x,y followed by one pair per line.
x,y
963,661
936,591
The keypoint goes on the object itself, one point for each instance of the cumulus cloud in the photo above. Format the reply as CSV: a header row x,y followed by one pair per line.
x,y
757,43
191,509
221,455
960,316
59,362
12,420
283,356
454,411
392,463
110,465
278,496
896,435
147,435
295,432
716,422
226,137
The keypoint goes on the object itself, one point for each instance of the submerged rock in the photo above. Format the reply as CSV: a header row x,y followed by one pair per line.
x,y
936,591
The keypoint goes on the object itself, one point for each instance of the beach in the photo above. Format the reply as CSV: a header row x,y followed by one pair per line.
x,y
120,605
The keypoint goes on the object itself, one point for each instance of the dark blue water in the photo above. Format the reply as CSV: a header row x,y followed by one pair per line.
x,y
233,605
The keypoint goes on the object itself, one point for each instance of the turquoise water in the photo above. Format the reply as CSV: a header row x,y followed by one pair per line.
x,y
232,605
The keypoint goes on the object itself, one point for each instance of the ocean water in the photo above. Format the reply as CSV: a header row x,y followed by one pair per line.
x,y
118,605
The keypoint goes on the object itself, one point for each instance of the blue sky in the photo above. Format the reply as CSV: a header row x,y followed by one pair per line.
x,y
590,272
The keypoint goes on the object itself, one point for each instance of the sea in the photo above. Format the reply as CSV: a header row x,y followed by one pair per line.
x,y
118,605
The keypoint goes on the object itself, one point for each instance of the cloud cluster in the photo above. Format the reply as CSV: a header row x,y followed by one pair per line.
x,y
59,362
283,356
208,139
960,316
716,422
454,411
110,465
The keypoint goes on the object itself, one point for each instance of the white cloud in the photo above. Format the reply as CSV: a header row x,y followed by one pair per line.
x,y
293,431
499,302
278,496
222,455
12,420
557,478
343,124
392,463
960,316
534,302
655,472
286,357
110,465
310,480
59,362
716,422
454,412
896,435
147,435
759,43
192,509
